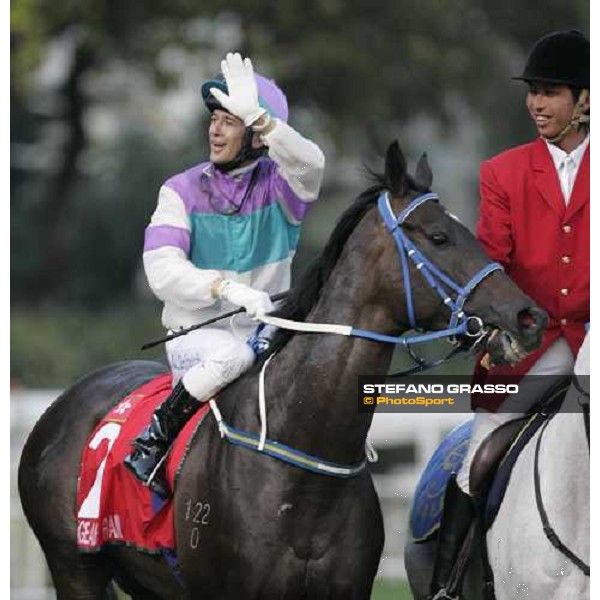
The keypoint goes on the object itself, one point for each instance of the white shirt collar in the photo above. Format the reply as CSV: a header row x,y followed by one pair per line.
x,y
559,155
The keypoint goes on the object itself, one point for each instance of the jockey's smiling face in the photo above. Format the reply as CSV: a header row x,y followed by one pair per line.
x,y
551,107
225,135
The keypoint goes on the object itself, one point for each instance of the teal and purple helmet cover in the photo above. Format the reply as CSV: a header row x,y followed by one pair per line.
x,y
270,97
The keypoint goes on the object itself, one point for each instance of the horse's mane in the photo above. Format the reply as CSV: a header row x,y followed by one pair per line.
x,y
304,296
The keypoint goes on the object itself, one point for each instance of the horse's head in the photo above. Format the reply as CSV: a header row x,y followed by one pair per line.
x,y
438,252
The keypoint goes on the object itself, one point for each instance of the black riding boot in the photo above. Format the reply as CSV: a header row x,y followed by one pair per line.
x,y
152,444
453,554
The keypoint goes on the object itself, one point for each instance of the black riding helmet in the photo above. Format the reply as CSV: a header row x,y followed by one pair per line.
x,y
561,57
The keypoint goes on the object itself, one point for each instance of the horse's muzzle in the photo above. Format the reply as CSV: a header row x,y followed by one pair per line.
x,y
511,347
531,323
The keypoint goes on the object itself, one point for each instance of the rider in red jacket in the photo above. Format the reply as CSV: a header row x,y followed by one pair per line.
x,y
535,220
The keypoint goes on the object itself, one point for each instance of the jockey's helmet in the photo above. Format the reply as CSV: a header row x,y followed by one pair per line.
x,y
270,96
561,57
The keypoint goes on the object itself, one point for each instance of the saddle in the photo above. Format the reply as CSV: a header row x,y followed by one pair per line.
x,y
494,461
490,471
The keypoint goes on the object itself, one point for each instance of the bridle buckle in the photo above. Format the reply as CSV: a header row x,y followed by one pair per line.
x,y
480,327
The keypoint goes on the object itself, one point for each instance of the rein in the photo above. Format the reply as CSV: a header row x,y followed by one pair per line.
x,y
226,315
548,529
585,407
458,324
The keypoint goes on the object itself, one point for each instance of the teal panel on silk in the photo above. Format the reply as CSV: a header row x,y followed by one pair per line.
x,y
242,242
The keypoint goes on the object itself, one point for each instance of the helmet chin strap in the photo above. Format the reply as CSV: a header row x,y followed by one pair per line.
x,y
578,119
247,153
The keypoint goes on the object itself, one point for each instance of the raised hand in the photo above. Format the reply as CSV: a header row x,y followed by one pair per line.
x,y
242,97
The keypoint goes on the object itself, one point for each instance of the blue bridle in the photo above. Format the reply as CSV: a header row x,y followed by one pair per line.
x,y
437,280
459,324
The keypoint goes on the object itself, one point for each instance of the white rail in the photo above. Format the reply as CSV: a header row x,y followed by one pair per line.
x,y
29,577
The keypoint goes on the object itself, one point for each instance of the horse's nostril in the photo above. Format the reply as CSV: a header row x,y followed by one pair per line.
x,y
526,319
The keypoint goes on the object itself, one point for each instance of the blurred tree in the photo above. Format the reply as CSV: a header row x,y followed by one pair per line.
x,y
361,70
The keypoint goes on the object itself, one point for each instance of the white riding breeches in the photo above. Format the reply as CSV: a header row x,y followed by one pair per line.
x,y
558,360
206,360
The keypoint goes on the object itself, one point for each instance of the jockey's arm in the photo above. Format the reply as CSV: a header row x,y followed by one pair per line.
x,y
300,164
171,275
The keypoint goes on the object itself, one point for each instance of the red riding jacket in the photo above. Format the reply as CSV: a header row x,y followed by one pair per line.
x,y
543,244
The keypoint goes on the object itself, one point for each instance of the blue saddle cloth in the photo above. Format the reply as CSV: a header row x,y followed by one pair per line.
x,y
429,497
428,502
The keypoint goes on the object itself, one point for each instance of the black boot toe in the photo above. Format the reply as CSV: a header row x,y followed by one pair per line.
x,y
142,463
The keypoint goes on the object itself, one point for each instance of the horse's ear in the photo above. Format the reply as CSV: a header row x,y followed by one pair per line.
x,y
423,175
395,169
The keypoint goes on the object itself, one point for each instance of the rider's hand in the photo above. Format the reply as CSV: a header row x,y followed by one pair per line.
x,y
242,97
254,301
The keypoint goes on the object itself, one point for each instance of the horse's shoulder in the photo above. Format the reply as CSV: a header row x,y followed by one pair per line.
x,y
240,396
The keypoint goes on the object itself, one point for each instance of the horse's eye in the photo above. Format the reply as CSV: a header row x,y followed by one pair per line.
x,y
438,238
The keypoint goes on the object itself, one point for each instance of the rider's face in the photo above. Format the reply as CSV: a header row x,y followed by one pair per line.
x,y
551,108
225,135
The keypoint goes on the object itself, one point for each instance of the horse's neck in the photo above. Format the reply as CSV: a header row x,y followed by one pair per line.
x,y
564,468
313,382
564,481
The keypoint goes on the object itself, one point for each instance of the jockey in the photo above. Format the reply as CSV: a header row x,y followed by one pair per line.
x,y
534,220
223,236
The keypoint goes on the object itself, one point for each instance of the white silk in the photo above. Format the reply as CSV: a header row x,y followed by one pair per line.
x,y
207,360
301,162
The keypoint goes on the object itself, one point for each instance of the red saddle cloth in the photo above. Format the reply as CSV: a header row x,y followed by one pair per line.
x,y
113,507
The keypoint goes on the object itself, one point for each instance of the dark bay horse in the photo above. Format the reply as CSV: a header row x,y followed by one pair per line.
x,y
249,526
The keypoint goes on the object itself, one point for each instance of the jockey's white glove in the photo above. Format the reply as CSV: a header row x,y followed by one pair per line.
x,y
254,301
242,100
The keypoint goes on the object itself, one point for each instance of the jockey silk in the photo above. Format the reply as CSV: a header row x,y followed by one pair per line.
x,y
243,225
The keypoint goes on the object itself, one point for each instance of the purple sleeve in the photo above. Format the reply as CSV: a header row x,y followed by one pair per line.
x,y
166,235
